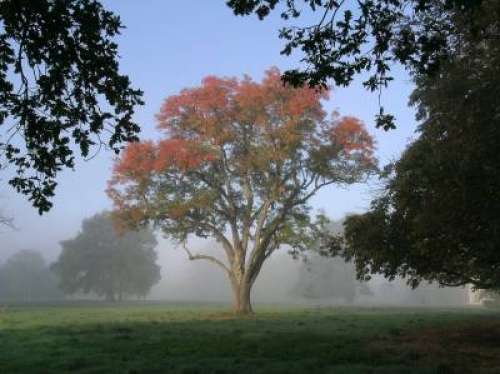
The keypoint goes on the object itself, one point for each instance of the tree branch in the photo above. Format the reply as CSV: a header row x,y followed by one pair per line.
x,y
206,257
226,244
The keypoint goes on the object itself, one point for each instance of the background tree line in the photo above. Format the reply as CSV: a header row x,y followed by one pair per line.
x,y
99,262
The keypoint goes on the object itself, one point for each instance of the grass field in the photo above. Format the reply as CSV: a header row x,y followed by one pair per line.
x,y
163,338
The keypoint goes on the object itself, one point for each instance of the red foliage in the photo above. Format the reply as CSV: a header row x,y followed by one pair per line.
x,y
182,154
262,123
210,111
353,138
137,161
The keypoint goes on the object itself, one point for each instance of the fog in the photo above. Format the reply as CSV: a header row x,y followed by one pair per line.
x,y
314,281
230,47
279,282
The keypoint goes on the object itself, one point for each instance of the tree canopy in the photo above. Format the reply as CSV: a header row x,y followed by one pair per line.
x,y
364,36
437,218
60,89
108,263
239,162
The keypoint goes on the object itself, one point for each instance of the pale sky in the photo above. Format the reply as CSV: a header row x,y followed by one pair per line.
x,y
169,45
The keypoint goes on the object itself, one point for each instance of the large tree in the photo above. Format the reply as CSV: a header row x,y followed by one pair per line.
x,y
108,262
437,218
60,90
339,39
239,162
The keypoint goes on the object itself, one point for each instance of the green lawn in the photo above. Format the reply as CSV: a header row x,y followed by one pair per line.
x,y
163,338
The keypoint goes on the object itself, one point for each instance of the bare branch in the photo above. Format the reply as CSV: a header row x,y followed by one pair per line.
x,y
206,257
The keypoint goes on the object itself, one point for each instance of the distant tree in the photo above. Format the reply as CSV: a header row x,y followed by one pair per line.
x,y
490,298
59,84
346,38
321,278
26,277
239,163
437,218
110,264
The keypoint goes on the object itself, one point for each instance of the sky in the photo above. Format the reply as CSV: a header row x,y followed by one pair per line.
x,y
170,45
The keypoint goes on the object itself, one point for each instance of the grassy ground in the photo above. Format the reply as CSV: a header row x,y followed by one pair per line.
x,y
207,339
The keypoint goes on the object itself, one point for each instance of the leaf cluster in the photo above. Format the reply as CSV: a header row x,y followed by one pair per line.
x,y
365,36
60,89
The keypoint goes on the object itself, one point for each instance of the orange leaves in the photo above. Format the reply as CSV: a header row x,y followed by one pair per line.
x,y
229,136
350,134
141,163
140,160
294,101
137,160
204,111
182,154
212,95
269,116
217,109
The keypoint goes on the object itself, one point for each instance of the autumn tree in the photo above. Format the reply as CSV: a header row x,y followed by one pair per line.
x,y
61,91
239,162
106,262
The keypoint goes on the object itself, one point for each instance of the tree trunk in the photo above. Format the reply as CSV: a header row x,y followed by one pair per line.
x,y
241,298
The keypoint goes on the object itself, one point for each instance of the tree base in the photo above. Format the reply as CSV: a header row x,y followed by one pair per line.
x,y
243,312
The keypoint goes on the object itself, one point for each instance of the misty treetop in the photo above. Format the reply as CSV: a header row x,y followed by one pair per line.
x,y
106,262
60,89
239,162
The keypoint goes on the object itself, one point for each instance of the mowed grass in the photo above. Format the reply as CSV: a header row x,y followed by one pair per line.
x,y
163,338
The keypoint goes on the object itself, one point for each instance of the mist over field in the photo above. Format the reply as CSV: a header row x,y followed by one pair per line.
x,y
283,279
313,281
